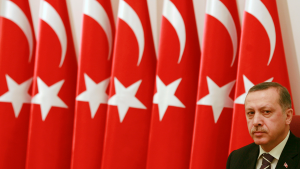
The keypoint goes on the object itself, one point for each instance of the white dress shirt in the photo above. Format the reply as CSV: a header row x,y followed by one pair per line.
x,y
275,152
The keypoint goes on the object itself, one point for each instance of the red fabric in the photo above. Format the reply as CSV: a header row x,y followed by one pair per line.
x,y
126,139
15,63
295,125
253,65
94,62
212,130
172,128
50,139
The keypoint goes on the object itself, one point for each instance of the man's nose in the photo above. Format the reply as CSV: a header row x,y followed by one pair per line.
x,y
257,119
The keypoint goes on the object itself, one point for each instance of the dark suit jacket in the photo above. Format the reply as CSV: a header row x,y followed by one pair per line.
x,y
246,157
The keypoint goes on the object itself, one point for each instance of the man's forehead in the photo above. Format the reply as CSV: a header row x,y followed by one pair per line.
x,y
258,106
267,95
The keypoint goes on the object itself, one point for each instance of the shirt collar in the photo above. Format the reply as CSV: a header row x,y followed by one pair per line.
x,y
276,151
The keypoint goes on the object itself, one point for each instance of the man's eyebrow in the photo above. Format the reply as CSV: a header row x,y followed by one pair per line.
x,y
248,108
266,106
263,107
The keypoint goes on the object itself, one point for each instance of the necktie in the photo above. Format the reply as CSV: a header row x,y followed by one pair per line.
x,y
267,160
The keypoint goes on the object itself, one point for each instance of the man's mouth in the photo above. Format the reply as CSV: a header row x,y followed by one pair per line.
x,y
258,133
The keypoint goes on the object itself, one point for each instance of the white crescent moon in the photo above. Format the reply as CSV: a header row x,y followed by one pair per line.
x,y
12,12
95,10
261,13
218,10
128,15
171,13
52,18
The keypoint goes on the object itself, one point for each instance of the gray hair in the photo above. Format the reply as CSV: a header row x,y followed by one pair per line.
x,y
284,95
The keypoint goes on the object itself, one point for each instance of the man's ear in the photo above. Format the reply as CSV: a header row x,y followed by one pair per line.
x,y
289,115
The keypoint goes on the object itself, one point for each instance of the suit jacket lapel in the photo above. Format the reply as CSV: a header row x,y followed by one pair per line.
x,y
251,160
289,153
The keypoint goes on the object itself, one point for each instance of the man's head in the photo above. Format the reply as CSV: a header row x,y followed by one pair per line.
x,y
268,113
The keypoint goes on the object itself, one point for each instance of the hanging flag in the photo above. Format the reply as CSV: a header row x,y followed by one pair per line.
x,y
261,59
176,88
93,81
17,48
216,85
54,86
131,91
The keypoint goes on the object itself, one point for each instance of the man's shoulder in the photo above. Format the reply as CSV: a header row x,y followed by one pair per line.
x,y
245,156
293,141
290,153
293,144
245,150
297,139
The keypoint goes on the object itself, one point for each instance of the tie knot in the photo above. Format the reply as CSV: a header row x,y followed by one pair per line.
x,y
267,158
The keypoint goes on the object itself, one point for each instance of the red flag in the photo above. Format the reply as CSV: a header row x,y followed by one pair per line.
x,y
262,59
215,89
131,92
17,43
54,86
93,80
176,88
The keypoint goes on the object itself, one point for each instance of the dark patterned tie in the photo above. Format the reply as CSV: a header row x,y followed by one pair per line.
x,y
267,160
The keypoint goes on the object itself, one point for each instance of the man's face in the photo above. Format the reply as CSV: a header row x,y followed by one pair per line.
x,y
267,124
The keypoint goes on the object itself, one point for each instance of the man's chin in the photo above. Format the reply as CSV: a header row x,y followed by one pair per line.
x,y
260,140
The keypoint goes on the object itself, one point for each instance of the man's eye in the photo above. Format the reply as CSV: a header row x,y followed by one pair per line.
x,y
250,113
267,112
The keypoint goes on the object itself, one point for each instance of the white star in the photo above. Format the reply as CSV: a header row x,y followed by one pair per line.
x,y
125,98
165,96
218,97
47,97
17,94
247,84
95,94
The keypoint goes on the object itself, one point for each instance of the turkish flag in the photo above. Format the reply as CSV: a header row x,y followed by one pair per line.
x,y
216,85
17,48
261,59
92,85
176,88
131,91
54,86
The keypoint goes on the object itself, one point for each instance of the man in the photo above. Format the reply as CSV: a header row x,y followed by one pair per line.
x,y
269,114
